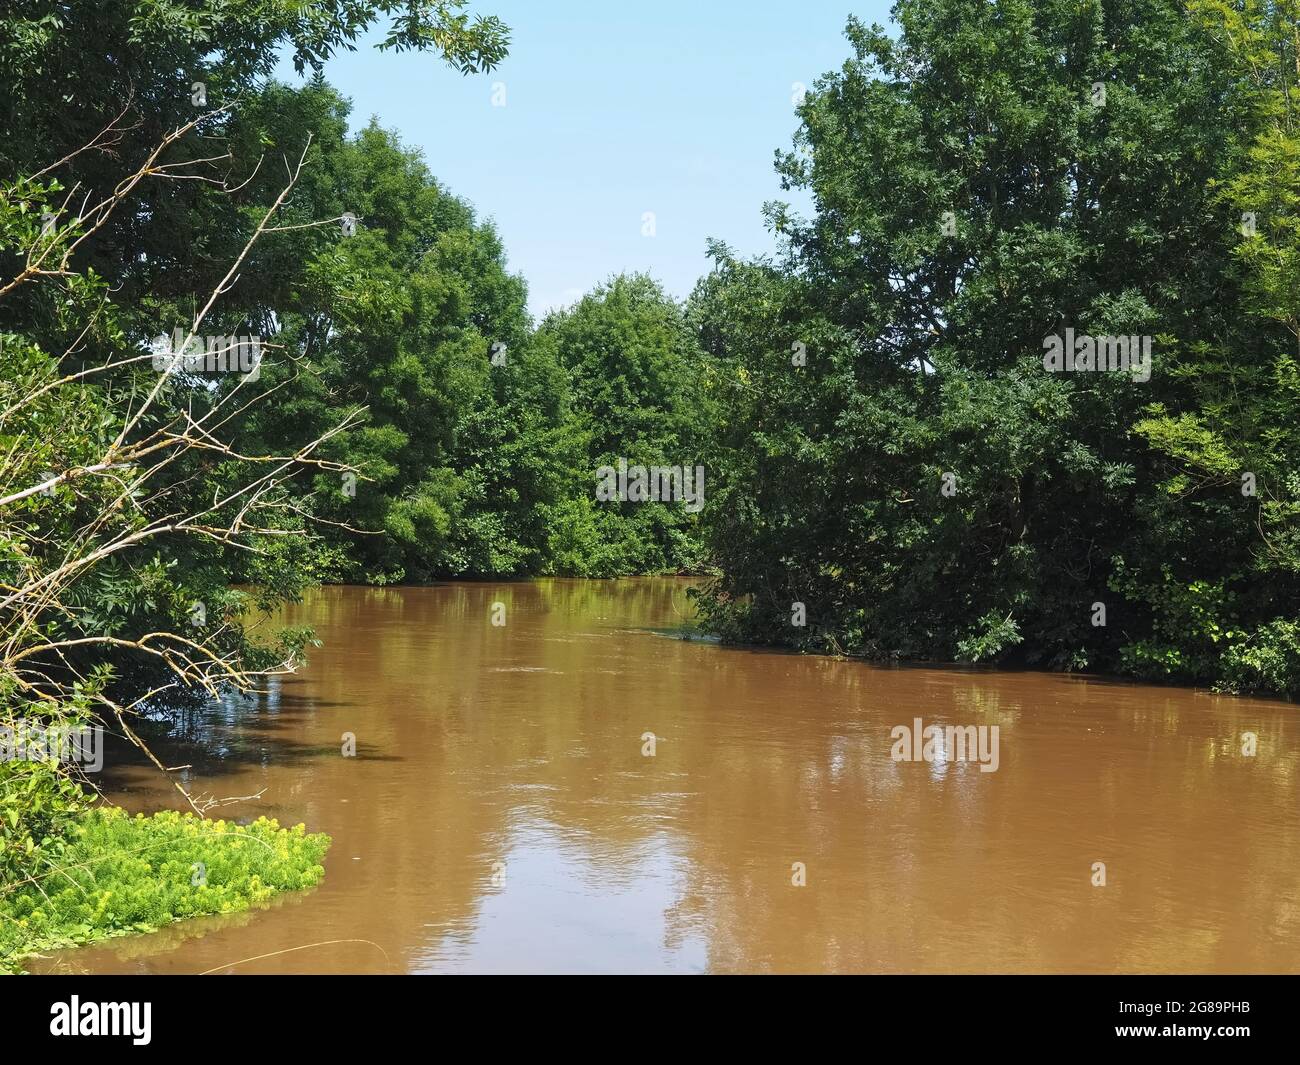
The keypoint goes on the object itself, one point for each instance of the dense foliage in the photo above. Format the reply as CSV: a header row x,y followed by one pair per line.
x,y
119,875
642,389
127,496
892,469
923,485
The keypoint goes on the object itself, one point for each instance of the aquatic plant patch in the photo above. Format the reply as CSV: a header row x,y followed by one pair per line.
x,y
122,875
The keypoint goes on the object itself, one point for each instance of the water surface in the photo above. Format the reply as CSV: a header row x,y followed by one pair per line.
x,y
501,816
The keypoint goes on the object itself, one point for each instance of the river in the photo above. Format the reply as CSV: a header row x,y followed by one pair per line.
x,y
506,810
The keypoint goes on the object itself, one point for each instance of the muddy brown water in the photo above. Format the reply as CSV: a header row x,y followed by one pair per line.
x,y
501,814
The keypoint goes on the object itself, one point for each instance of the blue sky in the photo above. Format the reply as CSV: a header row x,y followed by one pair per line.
x,y
612,110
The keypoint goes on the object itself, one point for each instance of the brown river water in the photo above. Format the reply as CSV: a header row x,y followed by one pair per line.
x,y
502,814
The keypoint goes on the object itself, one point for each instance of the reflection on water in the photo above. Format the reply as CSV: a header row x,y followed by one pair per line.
x,y
500,814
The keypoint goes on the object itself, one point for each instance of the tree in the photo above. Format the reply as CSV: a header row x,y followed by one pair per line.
x,y
108,472
641,388
1227,444
995,175
70,72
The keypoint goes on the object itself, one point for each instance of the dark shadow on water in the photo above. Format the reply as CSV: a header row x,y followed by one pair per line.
x,y
220,735
992,672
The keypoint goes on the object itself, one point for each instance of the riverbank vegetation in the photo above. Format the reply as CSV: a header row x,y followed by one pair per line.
x,y
997,175
891,469
117,875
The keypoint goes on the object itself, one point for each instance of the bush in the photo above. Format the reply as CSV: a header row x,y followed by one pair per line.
x,y
1269,661
38,806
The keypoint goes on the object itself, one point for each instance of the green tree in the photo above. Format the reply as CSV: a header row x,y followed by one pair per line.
x,y
1227,443
99,85
642,389
416,319
996,174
